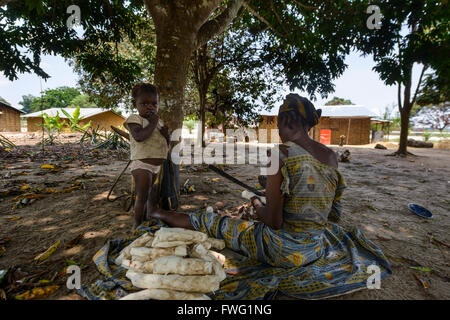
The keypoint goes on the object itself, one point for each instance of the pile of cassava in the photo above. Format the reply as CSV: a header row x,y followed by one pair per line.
x,y
173,264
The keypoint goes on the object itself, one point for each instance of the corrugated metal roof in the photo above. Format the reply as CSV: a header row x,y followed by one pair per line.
x,y
344,111
3,103
84,112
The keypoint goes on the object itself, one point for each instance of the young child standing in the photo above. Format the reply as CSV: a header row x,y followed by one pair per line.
x,y
149,142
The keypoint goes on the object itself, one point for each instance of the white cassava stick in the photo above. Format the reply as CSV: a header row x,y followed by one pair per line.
x,y
220,257
200,284
218,244
182,266
178,234
146,254
143,240
161,294
138,266
198,251
170,244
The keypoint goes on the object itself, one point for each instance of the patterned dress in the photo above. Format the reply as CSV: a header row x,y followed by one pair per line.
x,y
309,257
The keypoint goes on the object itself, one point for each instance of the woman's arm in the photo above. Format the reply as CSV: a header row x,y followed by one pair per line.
x,y
272,213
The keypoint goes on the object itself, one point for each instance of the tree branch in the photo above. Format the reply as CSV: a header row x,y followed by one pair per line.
x,y
418,84
278,18
216,26
260,18
156,11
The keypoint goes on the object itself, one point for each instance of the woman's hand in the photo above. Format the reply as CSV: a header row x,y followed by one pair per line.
x,y
256,202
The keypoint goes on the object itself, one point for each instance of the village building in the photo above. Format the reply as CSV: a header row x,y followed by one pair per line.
x,y
9,118
99,118
347,124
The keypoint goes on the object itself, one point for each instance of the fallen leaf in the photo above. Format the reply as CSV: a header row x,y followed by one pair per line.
x,y
37,293
386,178
14,218
74,241
47,166
24,187
48,252
29,196
424,269
68,189
44,281
421,281
329,276
2,294
62,273
372,207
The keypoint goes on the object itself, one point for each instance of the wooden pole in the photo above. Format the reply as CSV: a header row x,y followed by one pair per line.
x,y
348,131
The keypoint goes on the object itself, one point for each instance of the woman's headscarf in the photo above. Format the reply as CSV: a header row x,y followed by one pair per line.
x,y
300,106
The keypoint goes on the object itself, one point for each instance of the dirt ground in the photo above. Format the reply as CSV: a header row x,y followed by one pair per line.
x,y
72,205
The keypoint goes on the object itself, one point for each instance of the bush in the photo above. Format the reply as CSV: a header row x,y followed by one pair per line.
x,y
190,121
52,125
427,135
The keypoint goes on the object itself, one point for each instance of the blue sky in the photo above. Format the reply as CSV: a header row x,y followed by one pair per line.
x,y
358,83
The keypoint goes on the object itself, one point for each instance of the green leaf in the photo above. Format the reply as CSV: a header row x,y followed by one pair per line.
x,y
76,114
424,269
66,113
71,263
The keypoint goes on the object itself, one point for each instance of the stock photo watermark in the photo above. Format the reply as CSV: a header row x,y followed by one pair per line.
x,y
374,281
75,16
74,280
374,20
228,152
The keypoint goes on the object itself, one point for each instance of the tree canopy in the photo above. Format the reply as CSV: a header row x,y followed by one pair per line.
x,y
336,101
435,90
27,101
55,98
411,32
308,41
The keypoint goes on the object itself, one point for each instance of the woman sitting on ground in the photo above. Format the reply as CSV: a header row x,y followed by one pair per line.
x,y
301,253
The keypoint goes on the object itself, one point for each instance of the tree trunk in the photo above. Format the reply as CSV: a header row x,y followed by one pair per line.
x,y
202,95
181,27
404,115
173,53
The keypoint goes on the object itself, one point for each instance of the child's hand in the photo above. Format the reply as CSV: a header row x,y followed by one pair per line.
x,y
152,117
